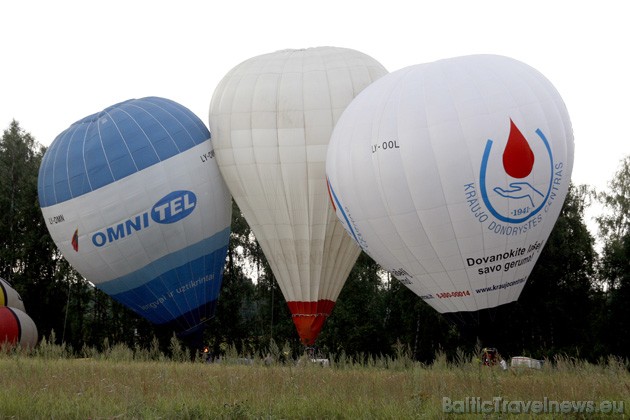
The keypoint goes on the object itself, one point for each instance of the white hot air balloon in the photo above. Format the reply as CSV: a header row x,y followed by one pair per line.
x,y
451,176
134,200
271,118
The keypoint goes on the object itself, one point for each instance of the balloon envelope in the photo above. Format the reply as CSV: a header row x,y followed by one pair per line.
x,y
9,296
451,176
134,200
17,328
272,117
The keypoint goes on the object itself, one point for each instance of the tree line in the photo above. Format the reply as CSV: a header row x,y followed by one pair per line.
x,y
574,302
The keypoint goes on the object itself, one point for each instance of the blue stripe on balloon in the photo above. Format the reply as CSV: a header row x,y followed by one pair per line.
x,y
343,213
169,264
184,294
119,141
172,295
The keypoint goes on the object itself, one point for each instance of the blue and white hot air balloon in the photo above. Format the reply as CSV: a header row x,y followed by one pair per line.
x,y
133,198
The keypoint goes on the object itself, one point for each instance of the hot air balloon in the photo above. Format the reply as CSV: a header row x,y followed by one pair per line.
x,y
272,117
9,296
17,328
134,200
451,176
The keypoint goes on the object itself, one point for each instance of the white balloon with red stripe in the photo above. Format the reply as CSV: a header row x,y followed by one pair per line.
x,y
272,117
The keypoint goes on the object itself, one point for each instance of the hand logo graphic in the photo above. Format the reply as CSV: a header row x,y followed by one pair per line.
x,y
520,190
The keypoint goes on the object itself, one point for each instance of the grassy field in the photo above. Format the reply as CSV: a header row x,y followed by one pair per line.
x,y
121,383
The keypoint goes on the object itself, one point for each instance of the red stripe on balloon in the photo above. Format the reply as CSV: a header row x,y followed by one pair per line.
x,y
330,195
9,326
309,318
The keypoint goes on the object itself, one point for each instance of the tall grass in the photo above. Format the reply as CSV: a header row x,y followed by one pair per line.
x,y
121,382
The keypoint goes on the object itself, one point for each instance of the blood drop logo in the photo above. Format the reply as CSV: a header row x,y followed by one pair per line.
x,y
517,189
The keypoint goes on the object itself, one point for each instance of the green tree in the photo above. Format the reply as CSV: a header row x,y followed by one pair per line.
x,y
237,322
614,227
26,250
556,310
411,322
356,325
28,257
274,320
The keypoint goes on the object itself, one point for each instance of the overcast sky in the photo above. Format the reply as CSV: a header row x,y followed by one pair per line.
x,y
63,60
